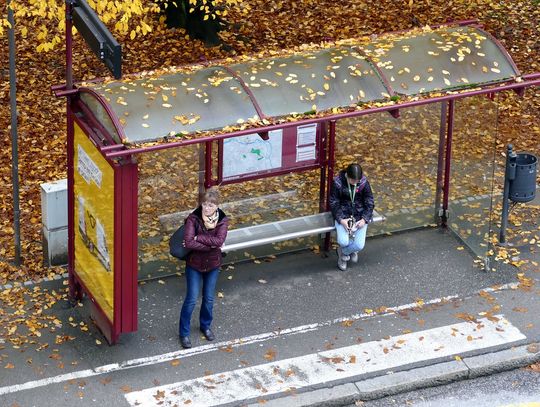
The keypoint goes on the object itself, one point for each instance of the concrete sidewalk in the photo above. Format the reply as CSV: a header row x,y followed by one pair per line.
x,y
298,309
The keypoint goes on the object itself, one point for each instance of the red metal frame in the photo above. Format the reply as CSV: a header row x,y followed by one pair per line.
x,y
323,165
208,165
448,161
330,168
125,249
439,186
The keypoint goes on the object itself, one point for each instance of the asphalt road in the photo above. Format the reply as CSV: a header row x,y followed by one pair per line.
x,y
520,387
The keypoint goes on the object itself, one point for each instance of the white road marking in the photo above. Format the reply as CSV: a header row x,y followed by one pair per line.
x,y
180,354
325,367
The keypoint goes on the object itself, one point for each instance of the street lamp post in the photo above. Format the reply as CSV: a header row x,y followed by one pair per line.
x,y
14,142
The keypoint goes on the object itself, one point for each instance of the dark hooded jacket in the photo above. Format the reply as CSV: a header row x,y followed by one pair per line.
x,y
205,252
340,199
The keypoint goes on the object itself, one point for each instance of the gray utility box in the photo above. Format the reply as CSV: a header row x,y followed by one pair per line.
x,y
523,183
54,219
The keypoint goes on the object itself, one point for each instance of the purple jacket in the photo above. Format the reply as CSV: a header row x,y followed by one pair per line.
x,y
205,252
340,199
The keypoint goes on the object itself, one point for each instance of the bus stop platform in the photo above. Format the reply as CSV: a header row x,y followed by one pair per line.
x,y
295,330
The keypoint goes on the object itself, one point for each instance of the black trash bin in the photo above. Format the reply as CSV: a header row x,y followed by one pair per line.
x,y
523,186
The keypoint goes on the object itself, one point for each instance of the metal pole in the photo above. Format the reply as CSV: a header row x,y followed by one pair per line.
x,y
14,141
208,165
323,162
69,45
330,178
509,175
448,162
74,288
440,164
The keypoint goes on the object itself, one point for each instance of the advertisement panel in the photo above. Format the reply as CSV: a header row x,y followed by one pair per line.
x,y
94,222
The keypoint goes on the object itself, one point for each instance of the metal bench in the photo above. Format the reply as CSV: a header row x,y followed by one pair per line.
x,y
280,231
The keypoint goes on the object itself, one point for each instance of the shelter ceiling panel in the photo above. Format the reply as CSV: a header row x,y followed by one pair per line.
x,y
322,80
442,59
151,108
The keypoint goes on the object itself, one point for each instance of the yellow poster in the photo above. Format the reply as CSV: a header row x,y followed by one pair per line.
x,y
94,221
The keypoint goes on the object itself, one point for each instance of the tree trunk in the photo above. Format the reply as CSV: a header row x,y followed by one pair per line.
x,y
177,15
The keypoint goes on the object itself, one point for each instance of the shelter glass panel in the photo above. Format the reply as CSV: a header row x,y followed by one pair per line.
x,y
474,187
181,103
321,80
400,158
168,192
169,182
100,114
445,58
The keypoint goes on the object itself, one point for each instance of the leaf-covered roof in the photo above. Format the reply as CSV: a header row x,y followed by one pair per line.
x,y
186,100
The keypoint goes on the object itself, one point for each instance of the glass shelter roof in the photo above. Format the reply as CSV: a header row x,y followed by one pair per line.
x,y
150,106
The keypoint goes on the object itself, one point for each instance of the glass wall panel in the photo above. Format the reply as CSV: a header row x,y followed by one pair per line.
x,y
168,192
399,157
474,189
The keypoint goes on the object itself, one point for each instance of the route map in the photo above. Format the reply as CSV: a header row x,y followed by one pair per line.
x,y
251,154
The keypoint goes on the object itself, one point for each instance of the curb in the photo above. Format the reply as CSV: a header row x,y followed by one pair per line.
x,y
414,379
30,283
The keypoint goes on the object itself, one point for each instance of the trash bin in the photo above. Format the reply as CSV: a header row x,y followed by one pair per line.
x,y
523,186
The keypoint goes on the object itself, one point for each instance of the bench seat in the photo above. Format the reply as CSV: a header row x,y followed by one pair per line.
x,y
258,235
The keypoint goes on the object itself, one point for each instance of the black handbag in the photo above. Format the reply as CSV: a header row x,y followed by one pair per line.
x,y
176,246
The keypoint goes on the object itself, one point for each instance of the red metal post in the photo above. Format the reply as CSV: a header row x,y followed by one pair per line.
x,y
323,164
208,164
440,163
330,179
126,249
448,160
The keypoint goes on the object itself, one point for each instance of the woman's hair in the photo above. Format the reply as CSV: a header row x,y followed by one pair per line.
x,y
211,195
354,171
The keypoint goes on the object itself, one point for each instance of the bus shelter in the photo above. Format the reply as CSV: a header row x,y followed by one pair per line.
x,y
272,131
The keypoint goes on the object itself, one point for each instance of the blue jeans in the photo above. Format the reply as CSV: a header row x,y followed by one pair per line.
x,y
347,244
194,279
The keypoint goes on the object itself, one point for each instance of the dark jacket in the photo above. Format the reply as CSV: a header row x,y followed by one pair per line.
x,y
340,199
205,252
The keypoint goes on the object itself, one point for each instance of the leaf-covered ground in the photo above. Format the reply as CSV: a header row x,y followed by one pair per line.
x,y
270,25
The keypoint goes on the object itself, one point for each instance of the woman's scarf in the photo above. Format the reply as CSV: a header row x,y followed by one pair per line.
x,y
210,222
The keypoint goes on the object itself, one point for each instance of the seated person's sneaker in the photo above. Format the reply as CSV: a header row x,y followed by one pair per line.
x,y
342,264
208,334
185,342
342,256
354,257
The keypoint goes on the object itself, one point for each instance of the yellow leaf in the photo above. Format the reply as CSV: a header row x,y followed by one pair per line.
x,y
132,34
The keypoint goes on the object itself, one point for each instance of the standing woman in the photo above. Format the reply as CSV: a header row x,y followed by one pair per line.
x,y
351,202
205,232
